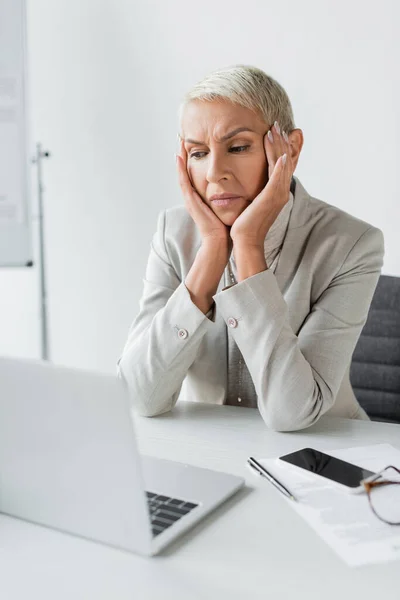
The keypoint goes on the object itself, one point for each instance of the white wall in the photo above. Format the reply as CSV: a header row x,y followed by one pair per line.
x,y
106,81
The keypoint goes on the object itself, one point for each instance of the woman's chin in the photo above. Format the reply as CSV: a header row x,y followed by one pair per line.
x,y
228,217
228,220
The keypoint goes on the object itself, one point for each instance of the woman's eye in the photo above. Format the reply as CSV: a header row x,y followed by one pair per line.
x,y
238,149
196,155
234,149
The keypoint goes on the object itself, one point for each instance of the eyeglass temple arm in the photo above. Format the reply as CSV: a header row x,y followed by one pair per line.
x,y
371,481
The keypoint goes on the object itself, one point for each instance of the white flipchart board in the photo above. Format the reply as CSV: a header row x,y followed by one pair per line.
x,y
15,214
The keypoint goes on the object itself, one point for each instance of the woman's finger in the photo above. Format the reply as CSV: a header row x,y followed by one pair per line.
x,y
271,193
278,141
277,176
274,146
193,201
184,180
270,151
289,162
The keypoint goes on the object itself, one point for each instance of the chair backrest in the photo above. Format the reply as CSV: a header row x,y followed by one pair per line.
x,y
375,368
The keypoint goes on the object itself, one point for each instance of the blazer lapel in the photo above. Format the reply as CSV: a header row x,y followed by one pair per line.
x,y
292,248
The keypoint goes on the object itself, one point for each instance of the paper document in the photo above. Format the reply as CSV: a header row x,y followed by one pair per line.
x,y
343,520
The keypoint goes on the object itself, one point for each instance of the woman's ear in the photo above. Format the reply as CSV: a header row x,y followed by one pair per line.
x,y
296,141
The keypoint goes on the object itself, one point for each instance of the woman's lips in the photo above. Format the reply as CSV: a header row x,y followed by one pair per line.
x,y
225,201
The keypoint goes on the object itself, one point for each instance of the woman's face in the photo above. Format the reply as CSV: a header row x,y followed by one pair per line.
x,y
222,159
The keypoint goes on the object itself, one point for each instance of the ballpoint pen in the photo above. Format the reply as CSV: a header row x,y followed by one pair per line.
x,y
264,473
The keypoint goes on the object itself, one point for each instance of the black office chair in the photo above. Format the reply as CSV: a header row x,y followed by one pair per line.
x,y
375,367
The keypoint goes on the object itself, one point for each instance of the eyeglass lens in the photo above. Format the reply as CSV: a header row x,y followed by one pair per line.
x,y
385,500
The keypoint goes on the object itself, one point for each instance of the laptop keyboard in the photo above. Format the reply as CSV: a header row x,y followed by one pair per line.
x,y
165,511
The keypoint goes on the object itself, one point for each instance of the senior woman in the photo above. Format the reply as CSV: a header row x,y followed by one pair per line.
x,y
255,292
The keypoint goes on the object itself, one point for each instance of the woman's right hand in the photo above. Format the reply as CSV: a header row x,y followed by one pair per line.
x,y
211,259
210,226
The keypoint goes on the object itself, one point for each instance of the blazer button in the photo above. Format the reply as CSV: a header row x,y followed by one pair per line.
x,y
232,322
182,333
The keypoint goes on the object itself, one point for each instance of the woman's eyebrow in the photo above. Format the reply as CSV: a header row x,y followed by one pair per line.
x,y
225,137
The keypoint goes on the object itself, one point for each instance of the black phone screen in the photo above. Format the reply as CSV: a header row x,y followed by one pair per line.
x,y
327,466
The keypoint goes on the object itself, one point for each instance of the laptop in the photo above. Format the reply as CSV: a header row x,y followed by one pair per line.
x,y
69,460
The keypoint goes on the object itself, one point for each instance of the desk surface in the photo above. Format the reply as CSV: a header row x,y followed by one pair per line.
x,y
254,546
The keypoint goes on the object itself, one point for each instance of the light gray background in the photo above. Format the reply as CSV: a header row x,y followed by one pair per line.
x,y
106,81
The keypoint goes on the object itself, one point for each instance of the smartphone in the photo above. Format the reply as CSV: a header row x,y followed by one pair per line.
x,y
343,473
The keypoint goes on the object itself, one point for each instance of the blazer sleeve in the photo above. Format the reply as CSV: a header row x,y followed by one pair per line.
x,y
164,337
297,377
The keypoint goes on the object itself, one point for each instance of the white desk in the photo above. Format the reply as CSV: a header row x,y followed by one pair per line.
x,y
254,546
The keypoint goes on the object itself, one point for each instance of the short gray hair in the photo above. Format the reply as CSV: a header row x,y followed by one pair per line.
x,y
249,87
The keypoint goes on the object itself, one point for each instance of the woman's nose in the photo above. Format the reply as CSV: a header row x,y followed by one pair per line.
x,y
216,169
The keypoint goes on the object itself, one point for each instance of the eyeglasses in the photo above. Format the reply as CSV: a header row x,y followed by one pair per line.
x,y
384,495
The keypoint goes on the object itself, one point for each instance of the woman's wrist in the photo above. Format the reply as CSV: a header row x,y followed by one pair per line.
x,y
250,260
206,272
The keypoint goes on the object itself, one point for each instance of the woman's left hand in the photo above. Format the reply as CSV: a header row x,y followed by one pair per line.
x,y
251,227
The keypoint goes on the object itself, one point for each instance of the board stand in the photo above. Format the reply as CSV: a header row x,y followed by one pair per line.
x,y
37,160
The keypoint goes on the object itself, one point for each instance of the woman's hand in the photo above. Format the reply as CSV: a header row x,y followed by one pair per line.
x,y
210,226
251,227
211,259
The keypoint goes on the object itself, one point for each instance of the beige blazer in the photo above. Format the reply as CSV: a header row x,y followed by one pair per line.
x,y
296,328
